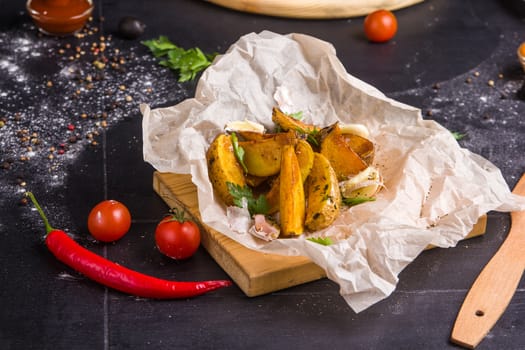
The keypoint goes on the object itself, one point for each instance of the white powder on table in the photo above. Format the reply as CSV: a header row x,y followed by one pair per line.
x,y
58,95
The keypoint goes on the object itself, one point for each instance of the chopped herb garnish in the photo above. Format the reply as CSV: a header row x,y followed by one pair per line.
x,y
357,200
239,151
188,63
457,135
311,136
297,115
257,205
321,240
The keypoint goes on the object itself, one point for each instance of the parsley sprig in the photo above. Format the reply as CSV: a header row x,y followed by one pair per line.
x,y
458,135
297,115
357,200
321,240
238,151
311,136
257,205
188,63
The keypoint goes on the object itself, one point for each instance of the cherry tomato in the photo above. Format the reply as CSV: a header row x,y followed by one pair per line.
x,y
177,237
109,220
380,26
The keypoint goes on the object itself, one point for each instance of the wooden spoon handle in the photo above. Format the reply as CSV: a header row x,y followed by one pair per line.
x,y
492,291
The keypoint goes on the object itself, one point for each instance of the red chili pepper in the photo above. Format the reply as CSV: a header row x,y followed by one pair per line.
x,y
116,276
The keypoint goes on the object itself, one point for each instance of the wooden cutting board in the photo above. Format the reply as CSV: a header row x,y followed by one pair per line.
x,y
314,9
254,272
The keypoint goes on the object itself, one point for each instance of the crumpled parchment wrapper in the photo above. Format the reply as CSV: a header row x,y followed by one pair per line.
x,y
434,191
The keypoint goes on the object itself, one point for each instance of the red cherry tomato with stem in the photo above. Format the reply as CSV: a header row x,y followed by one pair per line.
x,y
177,237
380,26
109,220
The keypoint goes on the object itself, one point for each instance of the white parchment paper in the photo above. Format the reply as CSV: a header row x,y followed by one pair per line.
x,y
434,191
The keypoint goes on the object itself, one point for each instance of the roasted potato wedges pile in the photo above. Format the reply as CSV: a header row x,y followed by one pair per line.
x,y
304,173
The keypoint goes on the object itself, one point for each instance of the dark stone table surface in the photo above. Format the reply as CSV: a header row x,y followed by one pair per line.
x,y
71,133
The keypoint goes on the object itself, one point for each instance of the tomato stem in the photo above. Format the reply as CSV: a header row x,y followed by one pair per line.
x,y
40,211
177,214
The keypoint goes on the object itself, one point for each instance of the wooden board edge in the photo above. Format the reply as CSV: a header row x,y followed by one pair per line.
x,y
296,270
224,260
312,9
291,271
479,228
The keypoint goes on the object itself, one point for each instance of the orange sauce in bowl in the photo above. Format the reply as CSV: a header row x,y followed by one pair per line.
x,y
521,55
521,50
60,17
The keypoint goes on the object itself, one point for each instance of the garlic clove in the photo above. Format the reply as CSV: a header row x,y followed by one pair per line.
x,y
244,125
356,129
365,184
264,228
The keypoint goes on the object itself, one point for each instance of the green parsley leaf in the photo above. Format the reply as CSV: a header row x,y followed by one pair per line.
x,y
257,205
357,200
457,135
297,115
188,63
239,151
321,240
311,136
238,193
161,46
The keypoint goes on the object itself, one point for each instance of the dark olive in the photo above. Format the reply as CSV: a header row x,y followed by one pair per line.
x,y
130,27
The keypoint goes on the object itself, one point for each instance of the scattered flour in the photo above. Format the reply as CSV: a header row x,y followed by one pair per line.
x,y
59,95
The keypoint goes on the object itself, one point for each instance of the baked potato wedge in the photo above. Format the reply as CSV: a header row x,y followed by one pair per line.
x,y
344,160
305,157
323,198
253,136
223,167
273,195
287,122
291,195
360,145
263,157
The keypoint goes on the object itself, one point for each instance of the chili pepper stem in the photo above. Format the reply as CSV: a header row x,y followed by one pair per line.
x,y
40,211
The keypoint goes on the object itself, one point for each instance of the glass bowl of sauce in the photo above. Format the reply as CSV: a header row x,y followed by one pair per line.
x,y
60,17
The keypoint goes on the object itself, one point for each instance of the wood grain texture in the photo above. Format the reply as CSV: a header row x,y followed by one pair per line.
x,y
254,272
311,9
493,289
